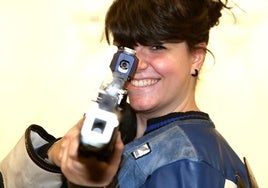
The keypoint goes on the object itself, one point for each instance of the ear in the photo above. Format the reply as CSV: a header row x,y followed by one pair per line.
x,y
198,57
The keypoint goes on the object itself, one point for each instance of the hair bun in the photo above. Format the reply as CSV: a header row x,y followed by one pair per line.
x,y
214,11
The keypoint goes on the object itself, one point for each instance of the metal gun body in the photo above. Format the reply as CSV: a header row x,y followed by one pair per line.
x,y
103,116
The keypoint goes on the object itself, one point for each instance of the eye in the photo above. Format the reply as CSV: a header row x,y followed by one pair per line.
x,y
158,47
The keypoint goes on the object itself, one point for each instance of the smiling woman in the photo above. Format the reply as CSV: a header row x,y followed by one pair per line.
x,y
172,63
52,61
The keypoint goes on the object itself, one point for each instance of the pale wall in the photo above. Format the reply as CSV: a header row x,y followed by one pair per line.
x,y
51,61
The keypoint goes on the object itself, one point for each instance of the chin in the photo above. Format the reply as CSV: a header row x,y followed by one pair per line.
x,y
141,104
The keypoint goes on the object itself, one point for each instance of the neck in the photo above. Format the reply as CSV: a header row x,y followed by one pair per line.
x,y
141,124
143,117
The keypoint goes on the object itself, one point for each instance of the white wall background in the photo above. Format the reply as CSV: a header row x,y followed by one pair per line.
x,y
52,60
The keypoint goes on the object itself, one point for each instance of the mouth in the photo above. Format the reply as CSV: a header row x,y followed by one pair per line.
x,y
144,82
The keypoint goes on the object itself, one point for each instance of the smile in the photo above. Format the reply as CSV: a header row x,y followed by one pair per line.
x,y
144,83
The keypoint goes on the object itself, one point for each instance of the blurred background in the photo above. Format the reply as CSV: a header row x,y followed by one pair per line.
x,y
53,58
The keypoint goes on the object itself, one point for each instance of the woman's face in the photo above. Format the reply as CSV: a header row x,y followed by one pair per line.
x,y
163,81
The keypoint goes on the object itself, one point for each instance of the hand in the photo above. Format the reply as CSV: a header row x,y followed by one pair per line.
x,y
84,171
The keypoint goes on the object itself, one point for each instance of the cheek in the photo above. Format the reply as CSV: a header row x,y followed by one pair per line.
x,y
179,63
168,67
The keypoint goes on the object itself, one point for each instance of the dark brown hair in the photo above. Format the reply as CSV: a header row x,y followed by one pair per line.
x,y
152,22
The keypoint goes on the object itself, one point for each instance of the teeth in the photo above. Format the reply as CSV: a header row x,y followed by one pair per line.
x,y
143,83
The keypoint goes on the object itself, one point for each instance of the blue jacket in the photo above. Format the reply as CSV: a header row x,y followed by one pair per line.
x,y
181,150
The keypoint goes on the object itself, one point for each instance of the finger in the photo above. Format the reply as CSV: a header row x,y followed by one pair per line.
x,y
77,126
74,144
67,163
80,123
63,154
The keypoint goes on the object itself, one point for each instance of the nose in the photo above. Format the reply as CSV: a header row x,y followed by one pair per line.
x,y
141,55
